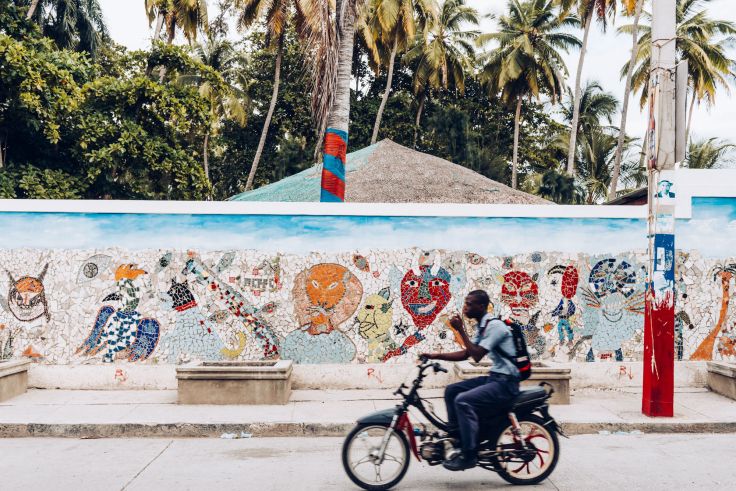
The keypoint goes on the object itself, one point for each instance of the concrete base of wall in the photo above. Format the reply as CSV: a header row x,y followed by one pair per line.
x,y
13,378
129,376
235,383
722,378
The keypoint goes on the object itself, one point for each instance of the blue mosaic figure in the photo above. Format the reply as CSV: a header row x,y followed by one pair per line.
x,y
122,329
193,335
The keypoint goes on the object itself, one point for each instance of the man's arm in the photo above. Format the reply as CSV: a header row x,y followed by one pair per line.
x,y
454,356
471,350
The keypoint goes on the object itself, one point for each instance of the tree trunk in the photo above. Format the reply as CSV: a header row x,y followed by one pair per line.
x,y
643,153
625,109
269,115
335,140
515,161
422,99
170,34
32,9
689,120
159,26
377,124
206,156
576,101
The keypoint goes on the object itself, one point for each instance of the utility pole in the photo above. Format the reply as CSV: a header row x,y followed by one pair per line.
x,y
664,151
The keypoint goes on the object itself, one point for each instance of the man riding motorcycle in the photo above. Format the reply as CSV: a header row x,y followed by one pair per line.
x,y
467,401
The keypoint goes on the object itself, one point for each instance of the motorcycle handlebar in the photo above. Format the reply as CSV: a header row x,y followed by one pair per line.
x,y
439,368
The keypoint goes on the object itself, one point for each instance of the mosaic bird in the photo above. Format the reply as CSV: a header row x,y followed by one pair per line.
x,y
122,329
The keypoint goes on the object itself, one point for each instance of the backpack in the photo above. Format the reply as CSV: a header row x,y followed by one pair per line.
x,y
521,361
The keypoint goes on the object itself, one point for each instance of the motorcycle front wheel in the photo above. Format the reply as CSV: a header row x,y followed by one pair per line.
x,y
533,465
362,461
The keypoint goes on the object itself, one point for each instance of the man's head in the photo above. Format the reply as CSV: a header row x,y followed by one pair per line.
x,y
476,304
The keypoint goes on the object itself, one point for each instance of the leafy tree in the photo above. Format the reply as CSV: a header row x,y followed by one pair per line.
x,y
709,153
277,15
588,10
447,56
72,24
594,107
527,62
700,41
395,25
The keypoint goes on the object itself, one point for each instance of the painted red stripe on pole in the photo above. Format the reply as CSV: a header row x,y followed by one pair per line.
x,y
333,184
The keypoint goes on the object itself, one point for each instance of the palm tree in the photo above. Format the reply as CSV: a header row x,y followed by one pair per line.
x,y
596,153
587,9
446,57
527,62
635,7
71,24
700,41
594,107
330,42
187,15
708,154
277,14
395,24
227,99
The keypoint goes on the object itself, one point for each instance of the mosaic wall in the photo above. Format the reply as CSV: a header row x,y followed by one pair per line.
x,y
173,306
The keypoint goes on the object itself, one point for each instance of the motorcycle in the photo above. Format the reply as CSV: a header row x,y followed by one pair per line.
x,y
520,444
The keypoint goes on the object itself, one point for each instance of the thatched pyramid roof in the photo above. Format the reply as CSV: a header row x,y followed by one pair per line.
x,y
391,173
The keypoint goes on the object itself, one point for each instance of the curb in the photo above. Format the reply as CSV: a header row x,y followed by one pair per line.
x,y
214,430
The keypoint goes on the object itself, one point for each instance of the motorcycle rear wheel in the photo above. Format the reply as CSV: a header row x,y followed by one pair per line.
x,y
544,442
360,450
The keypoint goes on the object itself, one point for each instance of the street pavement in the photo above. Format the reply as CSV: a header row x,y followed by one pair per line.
x,y
599,461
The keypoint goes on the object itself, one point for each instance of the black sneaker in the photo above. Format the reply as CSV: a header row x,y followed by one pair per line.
x,y
460,462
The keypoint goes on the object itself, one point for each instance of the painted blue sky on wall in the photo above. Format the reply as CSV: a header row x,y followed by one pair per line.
x,y
712,230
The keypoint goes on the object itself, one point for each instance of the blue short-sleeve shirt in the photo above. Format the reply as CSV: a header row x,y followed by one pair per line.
x,y
494,335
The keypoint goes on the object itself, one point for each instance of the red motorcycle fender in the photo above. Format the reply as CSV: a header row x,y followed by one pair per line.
x,y
405,425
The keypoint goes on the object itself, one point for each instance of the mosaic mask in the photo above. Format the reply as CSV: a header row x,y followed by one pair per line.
x,y
426,295
612,287
519,292
27,297
376,316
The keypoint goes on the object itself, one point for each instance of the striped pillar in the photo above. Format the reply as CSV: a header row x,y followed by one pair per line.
x,y
333,166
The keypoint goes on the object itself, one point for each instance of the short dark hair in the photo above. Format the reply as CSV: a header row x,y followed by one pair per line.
x,y
482,297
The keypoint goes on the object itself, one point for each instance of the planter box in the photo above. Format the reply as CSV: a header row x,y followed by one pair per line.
x,y
722,378
558,377
237,382
13,378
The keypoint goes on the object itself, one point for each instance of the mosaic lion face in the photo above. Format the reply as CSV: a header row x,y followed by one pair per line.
x,y
519,292
325,296
27,297
326,284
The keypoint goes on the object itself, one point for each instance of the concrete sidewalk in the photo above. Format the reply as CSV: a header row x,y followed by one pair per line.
x,y
107,414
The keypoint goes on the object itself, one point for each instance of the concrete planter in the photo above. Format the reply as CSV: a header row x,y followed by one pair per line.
x,y
13,378
236,382
557,376
722,378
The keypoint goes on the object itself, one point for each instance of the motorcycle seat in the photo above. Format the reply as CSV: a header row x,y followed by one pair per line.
x,y
527,395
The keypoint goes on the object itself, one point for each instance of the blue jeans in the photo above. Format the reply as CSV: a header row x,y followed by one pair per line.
x,y
471,400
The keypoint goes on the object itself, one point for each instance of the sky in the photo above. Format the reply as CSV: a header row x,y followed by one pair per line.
x,y
606,55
